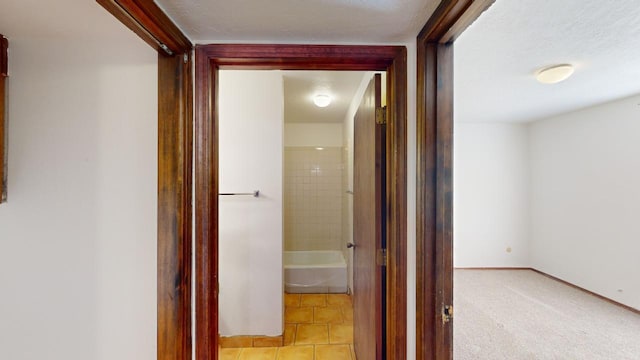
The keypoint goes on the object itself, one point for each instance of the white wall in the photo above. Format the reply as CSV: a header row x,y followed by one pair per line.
x,y
251,229
313,195
78,234
586,198
491,195
560,192
313,134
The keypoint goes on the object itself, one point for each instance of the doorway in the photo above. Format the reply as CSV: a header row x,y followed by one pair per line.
x,y
333,162
210,59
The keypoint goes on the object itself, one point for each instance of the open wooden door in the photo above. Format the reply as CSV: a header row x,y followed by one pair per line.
x,y
368,226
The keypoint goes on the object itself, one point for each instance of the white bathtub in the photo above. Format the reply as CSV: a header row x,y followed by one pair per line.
x,y
315,272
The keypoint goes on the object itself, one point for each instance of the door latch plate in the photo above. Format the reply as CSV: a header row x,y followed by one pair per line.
x,y
447,313
381,115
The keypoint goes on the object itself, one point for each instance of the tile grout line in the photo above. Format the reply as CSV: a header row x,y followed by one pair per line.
x,y
328,335
295,335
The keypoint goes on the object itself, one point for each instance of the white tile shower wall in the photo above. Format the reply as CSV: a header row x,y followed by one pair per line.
x,y
313,198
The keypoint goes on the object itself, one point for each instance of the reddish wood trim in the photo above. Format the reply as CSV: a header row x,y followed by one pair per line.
x,y
300,57
425,206
3,135
4,56
379,207
4,72
434,206
147,20
451,18
206,208
396,183
601,297
175,147
434,254
444,199
209,58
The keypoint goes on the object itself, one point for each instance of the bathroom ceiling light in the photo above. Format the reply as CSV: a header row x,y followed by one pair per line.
x,y
554,74
322,100
319,148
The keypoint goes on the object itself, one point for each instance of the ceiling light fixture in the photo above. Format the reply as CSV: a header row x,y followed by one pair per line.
x,y
554,74
322,100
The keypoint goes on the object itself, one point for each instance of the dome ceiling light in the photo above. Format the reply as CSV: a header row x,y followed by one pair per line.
x,y
322,100
554,74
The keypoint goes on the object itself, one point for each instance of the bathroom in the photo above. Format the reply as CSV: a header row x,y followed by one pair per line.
x,y
283,247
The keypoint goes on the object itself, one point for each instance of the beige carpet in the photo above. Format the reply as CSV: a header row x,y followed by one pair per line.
x,y
520,314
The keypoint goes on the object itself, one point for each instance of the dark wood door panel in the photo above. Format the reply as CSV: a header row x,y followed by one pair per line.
x,y
367,225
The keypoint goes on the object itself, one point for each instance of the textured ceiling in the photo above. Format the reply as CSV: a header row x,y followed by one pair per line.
x,y
320,21
497,57
301,86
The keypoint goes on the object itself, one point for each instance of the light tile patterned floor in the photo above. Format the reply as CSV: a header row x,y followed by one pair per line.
x,y
317,327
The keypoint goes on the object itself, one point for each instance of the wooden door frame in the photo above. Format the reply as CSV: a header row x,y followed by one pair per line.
x,y
434,203
210,58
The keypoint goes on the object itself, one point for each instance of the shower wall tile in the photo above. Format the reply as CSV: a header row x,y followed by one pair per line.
x,y
313,198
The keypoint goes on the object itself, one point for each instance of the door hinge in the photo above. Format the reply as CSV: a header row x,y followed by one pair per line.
x,y
381,115
381,257
165,48
447,313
